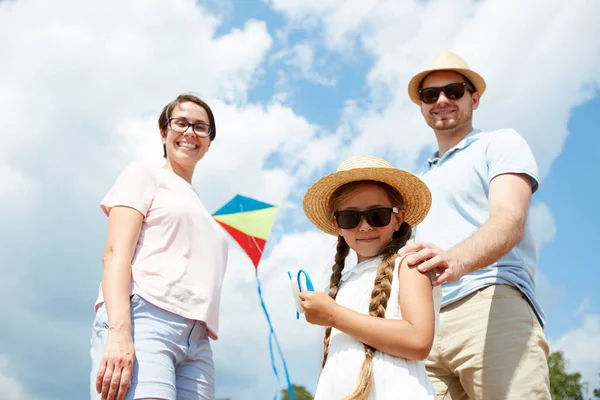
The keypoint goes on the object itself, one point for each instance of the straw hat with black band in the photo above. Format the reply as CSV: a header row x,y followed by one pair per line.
x,y
317,200
445,61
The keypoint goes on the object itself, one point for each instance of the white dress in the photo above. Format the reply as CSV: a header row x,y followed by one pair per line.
x,y
393,377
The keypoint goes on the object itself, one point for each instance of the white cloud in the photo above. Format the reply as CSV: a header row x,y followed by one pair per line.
x,y
127,48
542,225
221,8
547,293
250,136
521,74
10,387
340,19
583,307
16,189
92,96
543,228
75,75
301,57
580,347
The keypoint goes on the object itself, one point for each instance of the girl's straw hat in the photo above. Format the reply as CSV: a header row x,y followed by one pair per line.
x,y
317,200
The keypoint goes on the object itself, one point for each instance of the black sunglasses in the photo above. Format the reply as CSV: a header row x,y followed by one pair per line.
x,y
453,91
376,217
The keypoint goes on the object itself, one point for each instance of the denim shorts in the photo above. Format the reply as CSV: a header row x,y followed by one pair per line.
x,y
173,358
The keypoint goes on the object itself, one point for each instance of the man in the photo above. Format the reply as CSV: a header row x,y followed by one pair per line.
x,y
490,343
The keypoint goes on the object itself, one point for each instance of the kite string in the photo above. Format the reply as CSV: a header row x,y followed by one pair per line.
x,y
272,334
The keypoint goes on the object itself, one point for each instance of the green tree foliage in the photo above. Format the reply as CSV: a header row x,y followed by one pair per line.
x,y
563,385
300,393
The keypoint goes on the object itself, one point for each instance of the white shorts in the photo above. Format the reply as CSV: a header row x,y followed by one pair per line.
x,y
173,358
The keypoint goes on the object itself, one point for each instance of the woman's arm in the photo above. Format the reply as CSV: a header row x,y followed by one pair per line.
x,y
410,338
124,226
116,366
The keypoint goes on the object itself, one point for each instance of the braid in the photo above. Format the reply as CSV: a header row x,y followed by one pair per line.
x,y
342,251
379,299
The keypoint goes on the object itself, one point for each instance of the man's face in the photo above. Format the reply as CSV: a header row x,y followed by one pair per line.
x,y
448,114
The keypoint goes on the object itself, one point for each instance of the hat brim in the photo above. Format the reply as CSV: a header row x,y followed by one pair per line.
x,y
415,83
316,202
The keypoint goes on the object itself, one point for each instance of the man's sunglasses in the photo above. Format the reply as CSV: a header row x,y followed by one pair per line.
x,y
453,91
376,217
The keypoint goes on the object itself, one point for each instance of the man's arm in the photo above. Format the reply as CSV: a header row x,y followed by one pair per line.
x,y
509,199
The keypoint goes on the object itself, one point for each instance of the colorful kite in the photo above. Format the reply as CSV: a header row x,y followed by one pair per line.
x,y
249,222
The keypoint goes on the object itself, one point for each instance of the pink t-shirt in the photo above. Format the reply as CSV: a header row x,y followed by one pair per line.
x,y
181,254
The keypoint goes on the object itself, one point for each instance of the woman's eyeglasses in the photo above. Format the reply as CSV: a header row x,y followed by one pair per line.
x,y
180,125
376,217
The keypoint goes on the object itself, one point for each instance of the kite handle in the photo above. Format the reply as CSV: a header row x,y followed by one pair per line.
x,y
308,285
299,286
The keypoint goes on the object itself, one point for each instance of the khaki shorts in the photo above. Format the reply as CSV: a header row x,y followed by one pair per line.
x,y
490,345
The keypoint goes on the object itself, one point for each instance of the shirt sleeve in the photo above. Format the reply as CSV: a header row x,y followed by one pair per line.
x,y
508,152
135,188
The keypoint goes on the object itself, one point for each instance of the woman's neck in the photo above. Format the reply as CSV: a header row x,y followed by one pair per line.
x,y
183,172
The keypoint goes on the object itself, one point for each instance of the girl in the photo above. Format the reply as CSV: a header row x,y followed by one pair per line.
x,y
380,315
164,262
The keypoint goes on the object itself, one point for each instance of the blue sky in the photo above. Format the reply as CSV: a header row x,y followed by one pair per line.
x,y
569,192
296,86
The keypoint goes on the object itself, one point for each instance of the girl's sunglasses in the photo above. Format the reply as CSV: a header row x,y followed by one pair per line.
x,y
376,217
453,91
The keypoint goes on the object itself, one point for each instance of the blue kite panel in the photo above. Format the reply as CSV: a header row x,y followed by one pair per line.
x,y
241,204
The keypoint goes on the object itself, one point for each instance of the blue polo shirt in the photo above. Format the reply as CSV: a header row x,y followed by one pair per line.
x,y
460,183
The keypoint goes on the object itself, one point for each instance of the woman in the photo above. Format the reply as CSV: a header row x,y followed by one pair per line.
x,y
164,262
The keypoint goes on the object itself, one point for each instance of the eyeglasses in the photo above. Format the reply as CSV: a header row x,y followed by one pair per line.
x,y
376,217
180,125
453,91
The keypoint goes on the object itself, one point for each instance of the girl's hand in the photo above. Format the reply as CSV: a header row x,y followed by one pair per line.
x,y
319,308
116,366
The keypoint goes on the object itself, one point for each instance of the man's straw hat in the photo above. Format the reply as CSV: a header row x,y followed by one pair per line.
x,y
445,61
317,200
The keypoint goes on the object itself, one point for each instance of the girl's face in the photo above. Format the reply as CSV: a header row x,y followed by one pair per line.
x,y
366,240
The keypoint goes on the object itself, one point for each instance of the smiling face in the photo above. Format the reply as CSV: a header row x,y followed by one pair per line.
x,y
367,241
186,149
449,117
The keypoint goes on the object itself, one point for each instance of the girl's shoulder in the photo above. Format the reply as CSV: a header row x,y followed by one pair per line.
x,y
402,265
402,261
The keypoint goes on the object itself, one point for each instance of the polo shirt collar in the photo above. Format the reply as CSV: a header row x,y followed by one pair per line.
x,y
467,140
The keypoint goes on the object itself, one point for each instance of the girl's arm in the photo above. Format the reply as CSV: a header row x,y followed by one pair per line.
x,y
410,338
